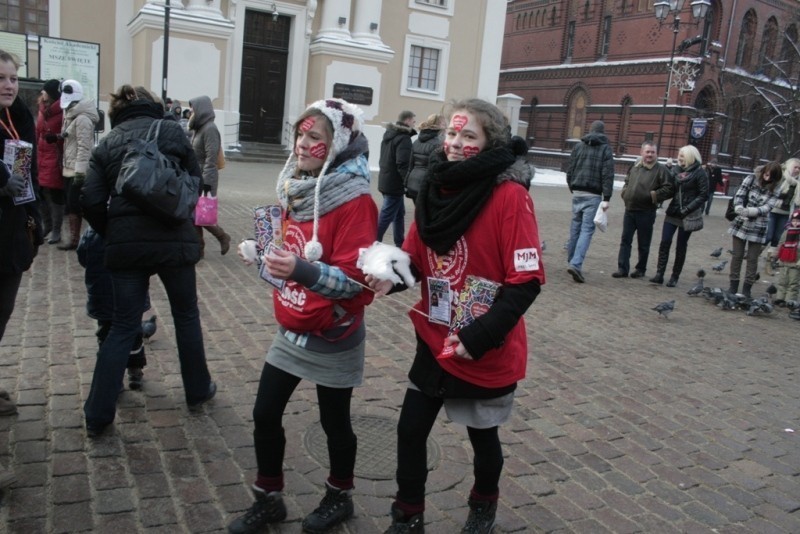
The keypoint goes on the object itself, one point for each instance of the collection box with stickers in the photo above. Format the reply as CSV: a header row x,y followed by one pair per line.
x,y
267,221
474,299
18,156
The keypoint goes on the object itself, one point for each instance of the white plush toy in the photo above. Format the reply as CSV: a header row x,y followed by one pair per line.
x,y
247,251
386,262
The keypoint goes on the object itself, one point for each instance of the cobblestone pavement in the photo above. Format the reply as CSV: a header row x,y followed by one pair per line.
x,y
627,422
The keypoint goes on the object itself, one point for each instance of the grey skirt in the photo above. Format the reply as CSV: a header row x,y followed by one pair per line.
x,y
478,413
343,369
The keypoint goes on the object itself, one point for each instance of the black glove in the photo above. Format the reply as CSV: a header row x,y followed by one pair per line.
x,y
14,187
51,137
684,212
79,178
206,189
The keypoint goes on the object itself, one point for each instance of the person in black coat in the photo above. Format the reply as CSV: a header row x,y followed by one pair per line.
x,y
714,175
690,192
428,140
394,162
137,247
19,241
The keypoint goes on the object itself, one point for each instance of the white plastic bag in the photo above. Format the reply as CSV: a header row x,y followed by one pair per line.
x,y
601,218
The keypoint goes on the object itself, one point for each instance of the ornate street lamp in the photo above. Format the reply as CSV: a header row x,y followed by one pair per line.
x,y
662,9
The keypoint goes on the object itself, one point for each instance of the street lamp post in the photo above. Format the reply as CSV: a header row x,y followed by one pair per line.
x,y
662,9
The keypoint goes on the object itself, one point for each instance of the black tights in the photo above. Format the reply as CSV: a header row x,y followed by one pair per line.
x,y
416,421
274,390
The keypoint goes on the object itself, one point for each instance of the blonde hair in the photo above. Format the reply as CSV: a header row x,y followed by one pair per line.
x,y
789,162
434,121
8,56
691,154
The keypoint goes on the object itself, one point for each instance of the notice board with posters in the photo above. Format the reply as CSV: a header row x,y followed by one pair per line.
x,y
17,45
63,59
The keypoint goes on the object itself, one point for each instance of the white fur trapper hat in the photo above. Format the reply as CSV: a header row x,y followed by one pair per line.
x,y
347,123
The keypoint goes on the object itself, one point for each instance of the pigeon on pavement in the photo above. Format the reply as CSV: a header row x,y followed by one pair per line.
x,y
720,266
149,327
665,308
697,288
717,253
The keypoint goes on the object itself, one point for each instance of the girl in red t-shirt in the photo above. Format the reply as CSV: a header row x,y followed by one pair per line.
x,y
474,244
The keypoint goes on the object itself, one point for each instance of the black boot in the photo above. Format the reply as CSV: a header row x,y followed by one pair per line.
x,y
734,287
481,517
406,525
746,289
661,266
336,506
677,267
268,508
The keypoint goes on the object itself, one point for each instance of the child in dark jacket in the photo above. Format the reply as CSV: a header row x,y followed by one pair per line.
x,y
100,301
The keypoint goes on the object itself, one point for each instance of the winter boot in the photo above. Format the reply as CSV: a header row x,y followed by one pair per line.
x,y
57,214
661,266
74,223
223,238
746,289
734,287
406,525
481,517
268,508
336,506
677,267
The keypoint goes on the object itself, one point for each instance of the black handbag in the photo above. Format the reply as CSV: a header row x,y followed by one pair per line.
x,y
157,185
730,212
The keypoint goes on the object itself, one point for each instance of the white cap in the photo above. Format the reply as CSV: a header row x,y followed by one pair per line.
x,y
71,91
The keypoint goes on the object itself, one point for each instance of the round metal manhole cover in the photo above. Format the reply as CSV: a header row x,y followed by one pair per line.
x,y
377,447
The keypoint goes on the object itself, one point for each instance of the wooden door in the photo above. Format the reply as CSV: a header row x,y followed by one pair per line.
x,y
265,55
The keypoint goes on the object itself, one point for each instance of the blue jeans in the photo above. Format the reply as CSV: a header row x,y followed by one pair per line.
x,y
709,200
130,294
581,230
393,211
641,223
775,225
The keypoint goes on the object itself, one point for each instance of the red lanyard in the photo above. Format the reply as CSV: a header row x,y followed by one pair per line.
x,y
9,128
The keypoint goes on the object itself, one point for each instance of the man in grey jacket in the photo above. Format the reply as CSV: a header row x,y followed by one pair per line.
x,y
646,185
590,178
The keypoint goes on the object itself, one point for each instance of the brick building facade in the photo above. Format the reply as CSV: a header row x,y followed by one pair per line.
x,y
576,61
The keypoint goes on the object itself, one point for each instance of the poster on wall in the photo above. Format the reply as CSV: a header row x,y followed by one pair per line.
x,y
62,59
17,45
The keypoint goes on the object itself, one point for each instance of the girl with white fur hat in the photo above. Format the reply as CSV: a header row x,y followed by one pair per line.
x,y
328,215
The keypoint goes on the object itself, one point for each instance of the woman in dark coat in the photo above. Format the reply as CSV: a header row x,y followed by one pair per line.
x,y
17,250
690,185
428,140
137,247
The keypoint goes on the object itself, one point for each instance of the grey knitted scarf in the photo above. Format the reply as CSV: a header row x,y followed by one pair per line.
x,y
342,184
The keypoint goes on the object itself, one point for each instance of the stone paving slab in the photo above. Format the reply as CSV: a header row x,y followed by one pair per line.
x,y
627,422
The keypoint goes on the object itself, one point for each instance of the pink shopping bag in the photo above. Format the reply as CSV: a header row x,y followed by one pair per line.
x,y
205,214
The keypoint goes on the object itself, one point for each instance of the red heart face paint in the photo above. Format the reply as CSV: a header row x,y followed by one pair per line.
x,y
307,124
470,150
319,151
458,122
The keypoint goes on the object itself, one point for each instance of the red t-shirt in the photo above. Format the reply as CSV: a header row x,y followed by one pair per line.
x,y
502,245
342,232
